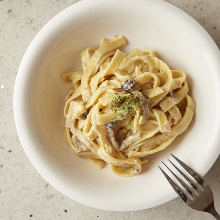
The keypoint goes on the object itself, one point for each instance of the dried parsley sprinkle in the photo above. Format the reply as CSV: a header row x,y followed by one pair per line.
x,y
123,105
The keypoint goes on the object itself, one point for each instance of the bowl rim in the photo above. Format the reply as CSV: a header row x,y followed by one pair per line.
x,y
21,87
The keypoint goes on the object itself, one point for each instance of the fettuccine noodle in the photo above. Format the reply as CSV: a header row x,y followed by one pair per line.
x,y
121,107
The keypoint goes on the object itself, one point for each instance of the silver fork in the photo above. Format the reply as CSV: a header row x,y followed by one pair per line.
x,y
199,195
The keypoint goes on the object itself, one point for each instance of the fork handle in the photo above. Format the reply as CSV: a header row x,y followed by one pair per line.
x,y
212,211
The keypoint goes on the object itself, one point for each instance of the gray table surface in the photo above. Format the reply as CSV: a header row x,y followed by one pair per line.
x,y
24,194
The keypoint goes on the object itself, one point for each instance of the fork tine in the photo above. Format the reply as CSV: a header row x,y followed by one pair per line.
x,y
195,175
182,195
181,182
184,175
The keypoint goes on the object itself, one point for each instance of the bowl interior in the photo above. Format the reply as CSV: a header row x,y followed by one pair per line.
x,y
180,41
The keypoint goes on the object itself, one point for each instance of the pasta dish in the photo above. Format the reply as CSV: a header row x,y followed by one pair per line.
x,y
121,107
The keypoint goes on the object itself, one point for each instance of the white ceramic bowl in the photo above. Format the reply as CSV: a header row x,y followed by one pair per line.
x,y
39,97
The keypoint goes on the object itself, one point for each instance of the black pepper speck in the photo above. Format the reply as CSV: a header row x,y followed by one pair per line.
x,y
84,116
65,210
9,151
9,11
30,216
1,165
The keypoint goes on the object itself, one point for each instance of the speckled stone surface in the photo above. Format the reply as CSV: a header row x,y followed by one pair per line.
x,y
24,194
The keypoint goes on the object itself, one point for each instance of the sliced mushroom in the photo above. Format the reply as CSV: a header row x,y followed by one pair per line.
x,y
143,105
121,134
111,128
128,85
110,125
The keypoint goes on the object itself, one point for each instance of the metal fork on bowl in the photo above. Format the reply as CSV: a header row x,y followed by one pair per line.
x,y
197,194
